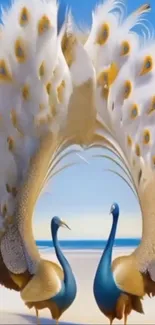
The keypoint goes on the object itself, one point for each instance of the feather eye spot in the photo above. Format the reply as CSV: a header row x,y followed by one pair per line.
x,y
146,137
4,210
153,161
14,120
24,17
48,88
107,77
42,70
103,34
125,48
26,92
20,52
67,44
60,91
129,141
134,111
5,75
152,106
147,65
105,92
137,150
44,25
127,89
10,142
8,188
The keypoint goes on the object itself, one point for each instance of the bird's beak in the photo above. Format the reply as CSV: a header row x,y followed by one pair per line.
x,y
110,211
63,224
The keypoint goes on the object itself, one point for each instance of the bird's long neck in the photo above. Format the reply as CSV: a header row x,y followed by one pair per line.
x,y
107,253
61,258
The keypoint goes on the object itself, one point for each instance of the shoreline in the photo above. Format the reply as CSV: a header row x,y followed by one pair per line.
x,y
84,309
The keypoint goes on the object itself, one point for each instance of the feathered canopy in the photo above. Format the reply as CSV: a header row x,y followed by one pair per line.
x,y
60,87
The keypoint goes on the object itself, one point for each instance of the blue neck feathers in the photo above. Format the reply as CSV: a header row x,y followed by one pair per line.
x,y
107,253
105,290
61,258
68,291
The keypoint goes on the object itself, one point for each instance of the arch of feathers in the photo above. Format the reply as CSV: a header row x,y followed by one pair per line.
x,y
67,91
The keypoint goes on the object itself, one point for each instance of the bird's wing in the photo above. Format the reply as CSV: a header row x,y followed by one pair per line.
x,y
125,102
57,269
45,284
127,276
42,76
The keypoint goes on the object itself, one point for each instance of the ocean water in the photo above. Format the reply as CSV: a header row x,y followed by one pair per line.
x,y
88,244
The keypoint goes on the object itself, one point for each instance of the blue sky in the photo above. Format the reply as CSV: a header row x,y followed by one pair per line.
x,y
82,195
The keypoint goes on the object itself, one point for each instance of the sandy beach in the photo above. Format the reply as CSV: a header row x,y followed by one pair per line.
x,y
84,309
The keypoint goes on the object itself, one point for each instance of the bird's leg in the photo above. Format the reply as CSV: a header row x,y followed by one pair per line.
x,y
57,322
37,316
111,319
125,318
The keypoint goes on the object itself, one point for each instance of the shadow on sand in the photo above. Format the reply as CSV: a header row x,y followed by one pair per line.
x,y
16,318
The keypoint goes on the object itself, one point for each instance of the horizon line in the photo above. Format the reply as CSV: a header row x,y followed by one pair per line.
x,y
67,240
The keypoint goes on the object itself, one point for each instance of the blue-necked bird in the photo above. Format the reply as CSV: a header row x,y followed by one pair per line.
x,y
110,298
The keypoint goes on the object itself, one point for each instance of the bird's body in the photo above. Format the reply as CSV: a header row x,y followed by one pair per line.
x,y
111,300
62,281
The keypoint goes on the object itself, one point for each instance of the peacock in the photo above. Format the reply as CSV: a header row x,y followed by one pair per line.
x,y
112,300
124,61
106,292
63,286
47,95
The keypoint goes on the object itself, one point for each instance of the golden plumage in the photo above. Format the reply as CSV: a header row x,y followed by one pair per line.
x,y
42,70
5,74
127,89
24,17
20,51
68,44
26,92
125,48
10,142
103,34
60,90
152,106
147,65
134,111
129,141
146,137
44,25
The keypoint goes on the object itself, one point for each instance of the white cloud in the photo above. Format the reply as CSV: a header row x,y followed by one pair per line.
x,y
90,227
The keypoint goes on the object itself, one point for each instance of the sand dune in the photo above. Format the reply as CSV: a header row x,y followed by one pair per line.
x,y
84,309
